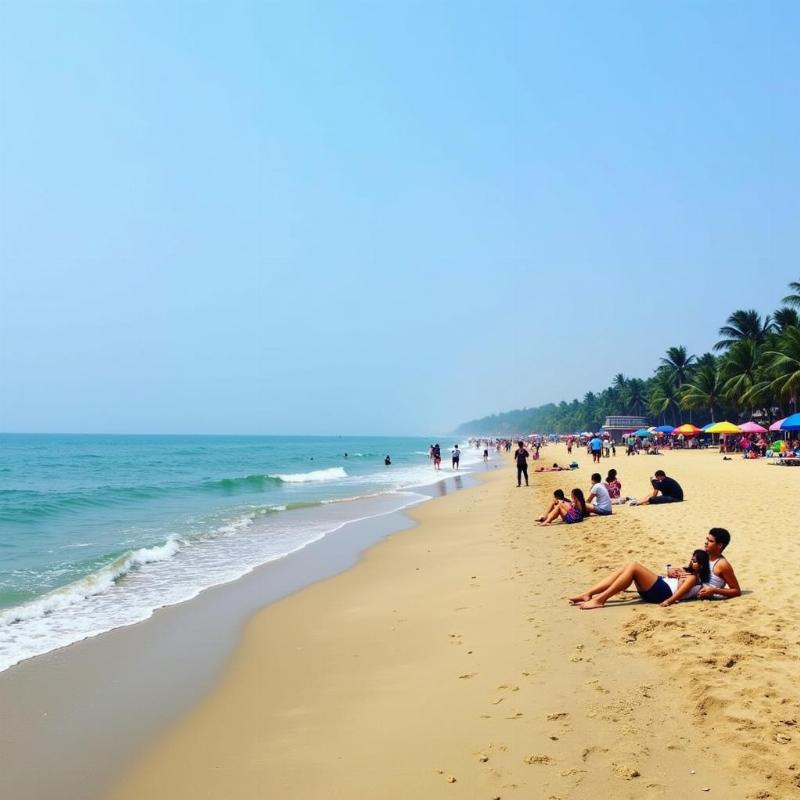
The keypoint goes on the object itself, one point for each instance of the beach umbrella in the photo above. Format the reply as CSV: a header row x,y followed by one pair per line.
x,y
642,432
776,426
665,429
791,423
725,427
706,427
687,429
752,427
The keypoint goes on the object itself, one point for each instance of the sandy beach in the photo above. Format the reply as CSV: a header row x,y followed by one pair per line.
x,y
448,663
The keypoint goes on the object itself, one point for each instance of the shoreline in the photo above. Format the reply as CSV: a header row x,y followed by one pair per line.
x,y
151,672
447,663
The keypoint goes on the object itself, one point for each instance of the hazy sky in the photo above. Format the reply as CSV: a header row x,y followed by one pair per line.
x,y
383,217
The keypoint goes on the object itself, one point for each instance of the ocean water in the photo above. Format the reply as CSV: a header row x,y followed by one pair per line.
x,y
97,532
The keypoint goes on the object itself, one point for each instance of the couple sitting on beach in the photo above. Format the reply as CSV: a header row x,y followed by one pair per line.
x,y
708,574
579,508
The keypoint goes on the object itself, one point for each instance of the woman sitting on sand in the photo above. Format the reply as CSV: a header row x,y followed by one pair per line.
x,y
652,588
558,498
614,488
569,512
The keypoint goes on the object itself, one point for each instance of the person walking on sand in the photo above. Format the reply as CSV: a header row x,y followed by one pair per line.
x,y
693,580
596,448
521,455
437,456
665,490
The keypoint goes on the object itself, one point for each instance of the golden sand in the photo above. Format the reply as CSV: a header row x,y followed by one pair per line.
x,y
448,664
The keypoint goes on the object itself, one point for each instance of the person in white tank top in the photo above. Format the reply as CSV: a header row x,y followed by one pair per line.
x,y
707,575
722,582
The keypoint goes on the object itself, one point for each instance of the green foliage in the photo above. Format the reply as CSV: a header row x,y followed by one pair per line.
x,y
758,369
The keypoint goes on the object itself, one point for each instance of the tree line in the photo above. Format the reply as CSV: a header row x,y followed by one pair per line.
x,y
753,371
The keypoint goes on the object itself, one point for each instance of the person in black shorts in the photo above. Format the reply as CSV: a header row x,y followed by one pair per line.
x,y
521,455
665,490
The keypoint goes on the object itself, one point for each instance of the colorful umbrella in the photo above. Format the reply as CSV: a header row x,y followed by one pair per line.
x,y
706,427
776,426
687,430
665,429
791,423
725,427
642,432
752,427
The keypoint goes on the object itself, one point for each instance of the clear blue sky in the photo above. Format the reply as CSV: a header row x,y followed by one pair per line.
x,y
353,217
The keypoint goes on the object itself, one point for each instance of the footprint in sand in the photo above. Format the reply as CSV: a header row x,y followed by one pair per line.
x,y
467,676
538,758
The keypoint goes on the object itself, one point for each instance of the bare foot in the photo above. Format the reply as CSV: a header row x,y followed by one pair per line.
x,y
580,598
540,519
589,605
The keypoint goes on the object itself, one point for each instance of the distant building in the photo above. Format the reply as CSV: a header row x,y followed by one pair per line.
x,y
616,426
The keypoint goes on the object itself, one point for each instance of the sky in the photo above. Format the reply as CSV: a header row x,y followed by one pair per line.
x,y
379,217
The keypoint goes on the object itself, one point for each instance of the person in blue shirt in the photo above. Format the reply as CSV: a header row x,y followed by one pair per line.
x,y
596,448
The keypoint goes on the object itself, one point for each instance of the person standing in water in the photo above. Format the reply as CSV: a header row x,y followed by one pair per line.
x,y
456,454
387,461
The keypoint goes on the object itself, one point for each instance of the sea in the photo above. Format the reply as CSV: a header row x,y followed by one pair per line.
x,y
97,532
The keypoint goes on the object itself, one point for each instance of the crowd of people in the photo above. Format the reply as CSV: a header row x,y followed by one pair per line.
x,y
708,574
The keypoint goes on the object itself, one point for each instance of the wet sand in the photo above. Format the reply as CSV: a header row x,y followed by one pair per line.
x,y
447,663
86,710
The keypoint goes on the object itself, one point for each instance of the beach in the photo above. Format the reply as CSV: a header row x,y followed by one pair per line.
x,y
448,663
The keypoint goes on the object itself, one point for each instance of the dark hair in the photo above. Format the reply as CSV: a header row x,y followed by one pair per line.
x,y
721,536
612,475
520,442
559,494
705,565
577,496
596,477
660,473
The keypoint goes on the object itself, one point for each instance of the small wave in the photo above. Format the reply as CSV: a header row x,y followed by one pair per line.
x,y
332,474
96,583
249,483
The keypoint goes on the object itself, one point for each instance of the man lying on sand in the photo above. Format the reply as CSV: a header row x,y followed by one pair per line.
x,y
554,468
665,490
704,578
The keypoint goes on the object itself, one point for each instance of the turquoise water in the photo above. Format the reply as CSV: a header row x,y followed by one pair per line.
x,y
98,531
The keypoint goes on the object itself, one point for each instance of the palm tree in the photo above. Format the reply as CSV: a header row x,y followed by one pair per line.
x,y
678,365
663,395
635,396
743,325
742,372
785,361
793,299
704,390
706,360
785,318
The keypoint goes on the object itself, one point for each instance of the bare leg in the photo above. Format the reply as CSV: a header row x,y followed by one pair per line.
x,y
643,577
600,587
